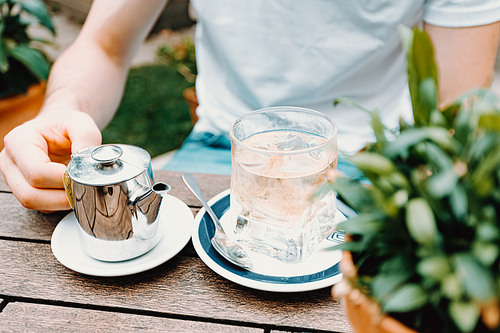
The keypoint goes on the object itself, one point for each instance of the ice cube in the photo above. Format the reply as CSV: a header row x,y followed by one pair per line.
x,y
317,154
292,141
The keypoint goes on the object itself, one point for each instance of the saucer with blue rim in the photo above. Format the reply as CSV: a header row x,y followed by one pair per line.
x,y
320,270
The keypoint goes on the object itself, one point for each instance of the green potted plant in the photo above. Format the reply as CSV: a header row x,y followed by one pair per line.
x,y
423,252
24,67
183,56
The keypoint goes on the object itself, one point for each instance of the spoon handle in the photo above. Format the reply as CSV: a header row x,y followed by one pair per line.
x,y
192,185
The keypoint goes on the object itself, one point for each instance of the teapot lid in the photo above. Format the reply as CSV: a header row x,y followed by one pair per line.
x,y
108,164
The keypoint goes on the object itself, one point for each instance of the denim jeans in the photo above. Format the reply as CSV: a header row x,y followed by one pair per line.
x,y
202,152
205,152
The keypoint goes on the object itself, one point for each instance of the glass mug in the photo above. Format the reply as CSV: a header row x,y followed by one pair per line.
x,y
280,159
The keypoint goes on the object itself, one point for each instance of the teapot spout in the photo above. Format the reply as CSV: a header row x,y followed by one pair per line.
x,y
161,188
145,210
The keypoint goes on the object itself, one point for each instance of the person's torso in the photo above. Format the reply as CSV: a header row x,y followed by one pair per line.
x,y
261,53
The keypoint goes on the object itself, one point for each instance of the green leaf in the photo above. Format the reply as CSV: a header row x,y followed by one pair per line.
x,y
421,67
350,102
398,179
485,253
477,280
362,224
4,63
411,137
418,177
38,9
372,162
465,315
410,297
423,56
379,130
444,181
382,285
487,232
442,184
490,122
395,264
33,59
438,119
421,222
482,146
352,192
436,157
428,95
459,202
452,287
481,177
435,267
464,125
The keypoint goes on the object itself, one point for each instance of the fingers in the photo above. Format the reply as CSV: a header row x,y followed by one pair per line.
x,y
31,162
31,197
35,155
34,146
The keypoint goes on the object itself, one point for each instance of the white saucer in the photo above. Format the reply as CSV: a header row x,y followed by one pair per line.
x,y
177,221
269,274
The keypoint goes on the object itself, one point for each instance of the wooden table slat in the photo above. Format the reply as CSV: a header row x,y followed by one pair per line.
x,y
183,285
29,317
210,185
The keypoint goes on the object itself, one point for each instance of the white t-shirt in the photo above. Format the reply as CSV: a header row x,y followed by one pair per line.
x,y
259,53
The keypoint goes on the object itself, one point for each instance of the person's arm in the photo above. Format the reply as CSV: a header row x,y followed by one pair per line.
x,y
465,58
84,88
89,76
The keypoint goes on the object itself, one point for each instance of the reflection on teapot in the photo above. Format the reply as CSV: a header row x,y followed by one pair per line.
x,y
106,212
115,203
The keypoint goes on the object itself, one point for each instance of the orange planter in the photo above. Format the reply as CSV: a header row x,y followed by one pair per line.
x,y
364,320
364,313
189,95
20,108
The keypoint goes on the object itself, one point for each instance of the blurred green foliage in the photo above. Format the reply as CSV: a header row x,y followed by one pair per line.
x,y
22,62
152,113
182,55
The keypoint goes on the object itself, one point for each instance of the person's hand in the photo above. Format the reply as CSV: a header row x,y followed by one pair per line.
x,y
36,155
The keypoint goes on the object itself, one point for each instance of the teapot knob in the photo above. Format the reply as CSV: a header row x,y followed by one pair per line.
x,y
107,154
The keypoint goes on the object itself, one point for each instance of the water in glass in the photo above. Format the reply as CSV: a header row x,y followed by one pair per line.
x,y
275,203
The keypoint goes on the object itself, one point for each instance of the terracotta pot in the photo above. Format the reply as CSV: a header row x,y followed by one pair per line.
x,y
189,95
18,109
363,312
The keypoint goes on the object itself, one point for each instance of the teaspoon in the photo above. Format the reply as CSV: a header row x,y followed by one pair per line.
x,y
229,249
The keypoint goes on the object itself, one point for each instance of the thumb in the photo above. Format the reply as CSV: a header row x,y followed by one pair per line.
x,y
83,132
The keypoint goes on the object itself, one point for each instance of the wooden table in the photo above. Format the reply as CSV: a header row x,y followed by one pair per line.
x,y
37,293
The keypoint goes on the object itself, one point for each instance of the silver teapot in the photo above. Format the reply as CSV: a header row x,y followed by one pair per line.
x,y
116,204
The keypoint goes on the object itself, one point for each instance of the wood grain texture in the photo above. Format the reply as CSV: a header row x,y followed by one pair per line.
x,y
19,222
181,286
28,317
210,185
